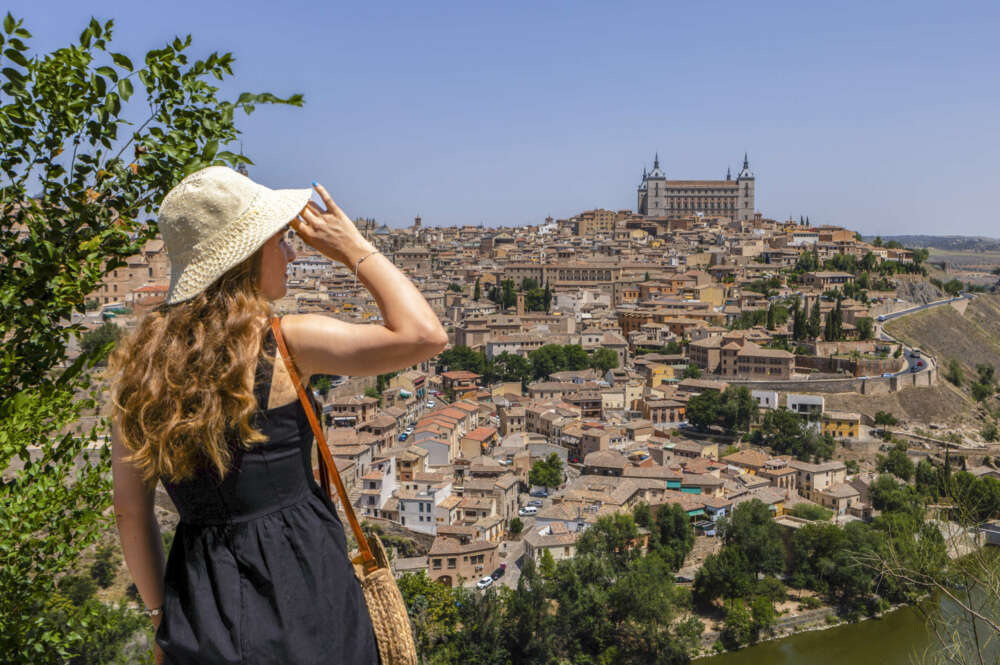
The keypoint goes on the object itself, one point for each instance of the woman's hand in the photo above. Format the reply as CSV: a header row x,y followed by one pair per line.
x,y
330,231
157,651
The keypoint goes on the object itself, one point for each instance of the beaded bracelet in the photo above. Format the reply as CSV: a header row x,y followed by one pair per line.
x,y
156,611
356,265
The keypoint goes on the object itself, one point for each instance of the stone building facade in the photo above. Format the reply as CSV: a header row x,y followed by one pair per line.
x,y
659,197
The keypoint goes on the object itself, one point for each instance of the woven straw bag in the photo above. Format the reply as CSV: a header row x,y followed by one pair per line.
x,y
371,565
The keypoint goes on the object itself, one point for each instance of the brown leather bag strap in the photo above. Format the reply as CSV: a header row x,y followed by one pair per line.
x,y
326,460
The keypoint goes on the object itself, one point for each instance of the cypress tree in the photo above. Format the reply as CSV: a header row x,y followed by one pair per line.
x,y
814,321
476,292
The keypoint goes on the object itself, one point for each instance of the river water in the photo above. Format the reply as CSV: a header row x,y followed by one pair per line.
x,y
898,638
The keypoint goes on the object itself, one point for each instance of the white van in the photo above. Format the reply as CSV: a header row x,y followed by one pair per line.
x,y
527,510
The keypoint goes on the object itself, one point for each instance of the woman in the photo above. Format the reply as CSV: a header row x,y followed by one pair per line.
x,y
258,571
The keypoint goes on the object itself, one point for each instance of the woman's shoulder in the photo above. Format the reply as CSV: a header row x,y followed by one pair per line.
x,y
297,330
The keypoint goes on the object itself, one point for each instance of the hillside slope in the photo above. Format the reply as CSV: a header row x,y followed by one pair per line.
x,y
971,338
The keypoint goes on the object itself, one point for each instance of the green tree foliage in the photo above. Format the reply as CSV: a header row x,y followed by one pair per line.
x,y
897,462
813,328
516,525
547,472
431,607
575,357
954,373
726,574
786,432
508,367
107,335
866,327
321,383
744,625
92,188
885,418
833,561
891,496
985,383
774,315
105,566
616,536
671,534
733,409
691,372
926,479
477,292
455,286
603,359
547,360
461,357
752,529
527,633
977,499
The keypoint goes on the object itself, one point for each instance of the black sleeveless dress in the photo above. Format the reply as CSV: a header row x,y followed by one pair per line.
x,y
258,572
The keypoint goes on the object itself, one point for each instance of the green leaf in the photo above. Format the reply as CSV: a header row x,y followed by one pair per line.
x,y
8,23
210,149
13,75
109,72
125,89
122,61
16,57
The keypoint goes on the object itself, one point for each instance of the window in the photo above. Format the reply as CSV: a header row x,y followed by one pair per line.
x,y
451,562
437,564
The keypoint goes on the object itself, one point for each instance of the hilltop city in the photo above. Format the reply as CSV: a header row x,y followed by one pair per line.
x,y
693,352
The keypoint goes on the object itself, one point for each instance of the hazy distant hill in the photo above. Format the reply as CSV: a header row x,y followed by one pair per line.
x,y
965,243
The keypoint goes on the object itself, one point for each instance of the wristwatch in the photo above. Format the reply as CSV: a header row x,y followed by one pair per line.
x,y
156,611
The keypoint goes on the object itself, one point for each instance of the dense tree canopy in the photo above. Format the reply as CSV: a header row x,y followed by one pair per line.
x,y
786,432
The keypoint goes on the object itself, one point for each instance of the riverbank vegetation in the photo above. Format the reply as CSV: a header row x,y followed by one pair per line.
x,y
616,599
614,602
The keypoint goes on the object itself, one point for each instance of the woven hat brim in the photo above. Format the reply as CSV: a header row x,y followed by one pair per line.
x,y
270,210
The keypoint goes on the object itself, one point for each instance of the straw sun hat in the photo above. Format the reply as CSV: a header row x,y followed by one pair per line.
x,y
214,219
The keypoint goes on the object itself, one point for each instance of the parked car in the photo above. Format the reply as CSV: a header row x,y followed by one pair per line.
x,y
403,436
498,573
535,502
540,493
527,511
430,404
574,460
484,583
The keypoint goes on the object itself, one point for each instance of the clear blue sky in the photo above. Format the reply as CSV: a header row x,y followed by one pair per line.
x,y
880,116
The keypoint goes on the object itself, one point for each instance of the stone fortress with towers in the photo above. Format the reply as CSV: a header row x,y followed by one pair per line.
x,y
659,197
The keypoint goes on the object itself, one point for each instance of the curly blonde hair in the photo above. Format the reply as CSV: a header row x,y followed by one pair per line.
x,y
183,379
